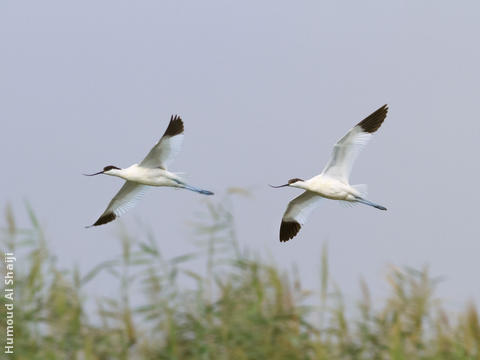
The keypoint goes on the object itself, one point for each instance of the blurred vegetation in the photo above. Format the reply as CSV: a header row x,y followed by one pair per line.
x,y
239,307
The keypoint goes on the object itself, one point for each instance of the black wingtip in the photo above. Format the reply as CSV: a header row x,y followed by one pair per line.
x,y
288,230
175,127
373,121
104,219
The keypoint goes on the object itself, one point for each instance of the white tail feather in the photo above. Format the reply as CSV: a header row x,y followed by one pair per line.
x,y
347,204
362,189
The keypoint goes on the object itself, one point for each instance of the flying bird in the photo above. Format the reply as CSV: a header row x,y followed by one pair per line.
x,y
332,183
152,171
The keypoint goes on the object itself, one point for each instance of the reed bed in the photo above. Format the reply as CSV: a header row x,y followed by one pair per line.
x,y
239,307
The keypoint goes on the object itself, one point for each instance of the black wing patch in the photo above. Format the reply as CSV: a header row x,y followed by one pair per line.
x,y
373,121
288,230
175,127
105,218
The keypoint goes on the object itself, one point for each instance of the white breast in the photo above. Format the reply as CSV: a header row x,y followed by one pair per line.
x,y
150,176
329,188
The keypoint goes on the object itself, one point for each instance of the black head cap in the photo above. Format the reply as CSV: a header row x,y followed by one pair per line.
x,y
294,180
110,167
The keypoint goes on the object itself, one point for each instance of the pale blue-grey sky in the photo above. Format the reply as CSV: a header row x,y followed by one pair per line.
x,y
265,89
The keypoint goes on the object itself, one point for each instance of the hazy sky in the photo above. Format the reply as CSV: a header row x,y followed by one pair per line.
x,y
265,89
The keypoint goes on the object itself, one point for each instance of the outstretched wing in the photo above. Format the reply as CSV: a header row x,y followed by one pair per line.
x,y
298,210
167,148
126,198
348,147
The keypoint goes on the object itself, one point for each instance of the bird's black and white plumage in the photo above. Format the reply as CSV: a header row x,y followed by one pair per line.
x,y
152,171
333,182
168,147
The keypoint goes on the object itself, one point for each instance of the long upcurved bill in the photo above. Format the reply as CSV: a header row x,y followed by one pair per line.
x,y
279,186
98,173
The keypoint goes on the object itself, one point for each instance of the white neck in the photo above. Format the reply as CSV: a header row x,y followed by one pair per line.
x,y
126,173
299,184
115,172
